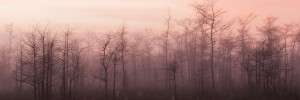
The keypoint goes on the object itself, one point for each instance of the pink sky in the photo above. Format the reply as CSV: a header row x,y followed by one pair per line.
x,y
107,15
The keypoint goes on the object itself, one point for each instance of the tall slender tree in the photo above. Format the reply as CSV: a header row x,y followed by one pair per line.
x,y
213,24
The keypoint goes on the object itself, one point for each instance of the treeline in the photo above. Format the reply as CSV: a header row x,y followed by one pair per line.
x,y
209,58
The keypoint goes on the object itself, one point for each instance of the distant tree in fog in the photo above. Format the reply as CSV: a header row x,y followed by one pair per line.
x,y
245,44
268,55
166,43
206,56
286,30
123,42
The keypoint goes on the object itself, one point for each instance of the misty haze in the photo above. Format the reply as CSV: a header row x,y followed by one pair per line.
x,y
150,50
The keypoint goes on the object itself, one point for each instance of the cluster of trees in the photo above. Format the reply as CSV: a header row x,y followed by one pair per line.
x,y
41,61
210,58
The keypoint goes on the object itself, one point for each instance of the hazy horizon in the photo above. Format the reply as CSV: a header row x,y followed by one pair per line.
x,y
103,15
149,50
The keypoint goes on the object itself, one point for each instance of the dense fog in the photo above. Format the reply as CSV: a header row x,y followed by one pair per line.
x,y
208,56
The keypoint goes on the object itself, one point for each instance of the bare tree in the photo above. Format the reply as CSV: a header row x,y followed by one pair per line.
x,y
228,44
287,28
31,42
19,71
213,24
107,51
269,54
115,62
122,39
9,29
244,40
66,79
166,47
76,69
173,68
